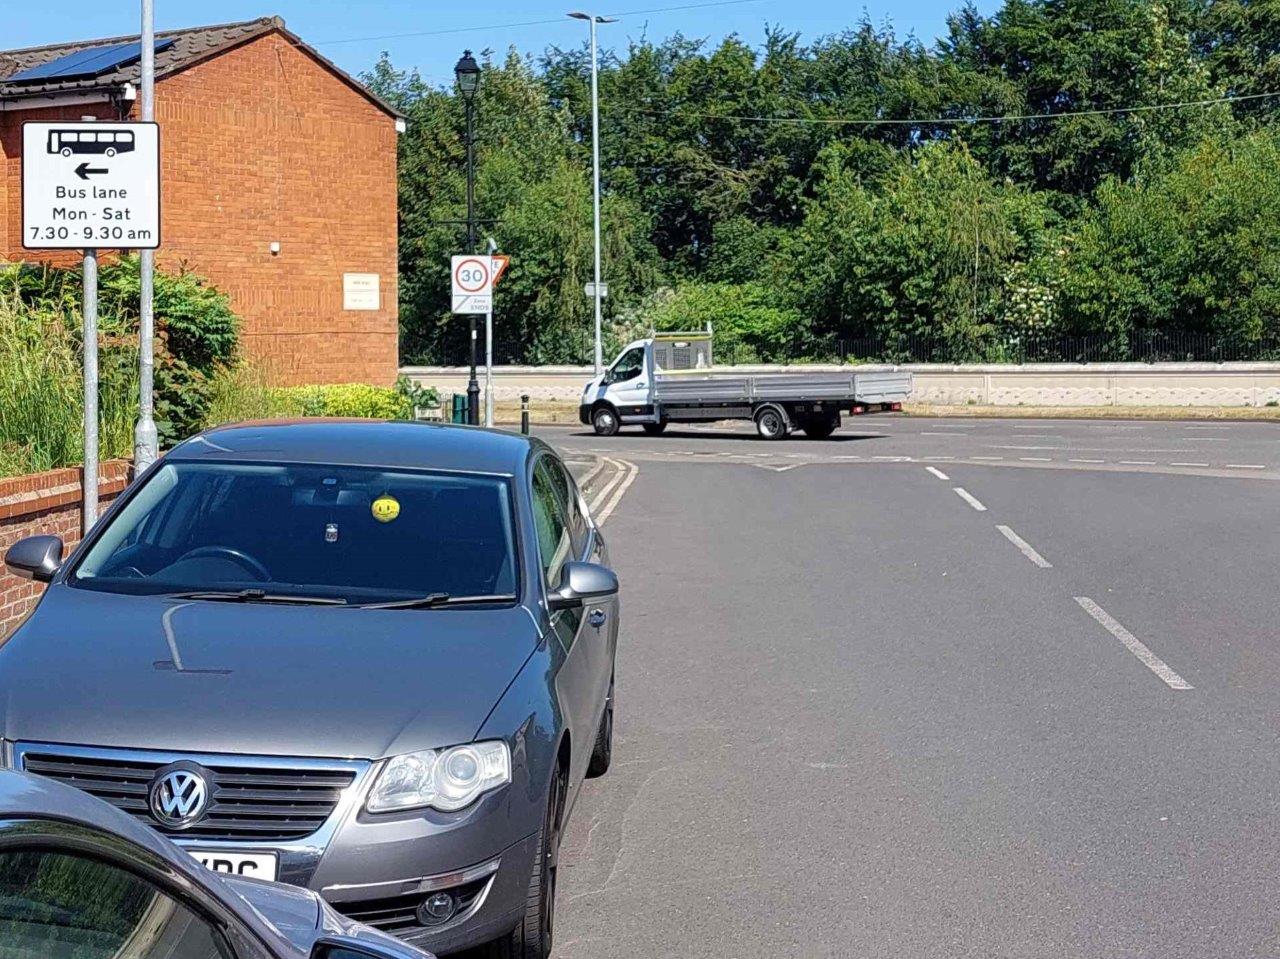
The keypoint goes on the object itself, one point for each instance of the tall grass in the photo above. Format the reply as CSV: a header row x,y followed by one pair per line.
x,y
41,387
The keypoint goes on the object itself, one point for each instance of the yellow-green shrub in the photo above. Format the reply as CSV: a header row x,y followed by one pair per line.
x,y
347,399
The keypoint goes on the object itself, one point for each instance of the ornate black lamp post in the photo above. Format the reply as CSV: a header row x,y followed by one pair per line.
x,y
467,73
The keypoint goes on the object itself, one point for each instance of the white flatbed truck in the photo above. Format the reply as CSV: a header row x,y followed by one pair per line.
x,y
669,378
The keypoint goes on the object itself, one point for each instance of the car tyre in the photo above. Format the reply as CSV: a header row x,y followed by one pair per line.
x,y
532,939
605,421
653,429
602,753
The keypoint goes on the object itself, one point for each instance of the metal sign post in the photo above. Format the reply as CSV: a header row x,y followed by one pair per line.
x,y
146,442
497,264
89,505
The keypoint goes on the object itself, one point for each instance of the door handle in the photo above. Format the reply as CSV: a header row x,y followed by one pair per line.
x,y
597,617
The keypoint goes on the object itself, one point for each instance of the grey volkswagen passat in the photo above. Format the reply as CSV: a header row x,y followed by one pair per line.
x,y
80,880
372,659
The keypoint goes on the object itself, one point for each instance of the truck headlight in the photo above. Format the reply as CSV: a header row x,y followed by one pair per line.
x,y
444,779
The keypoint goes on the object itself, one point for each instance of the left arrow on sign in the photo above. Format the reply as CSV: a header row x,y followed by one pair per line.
x,y
84,170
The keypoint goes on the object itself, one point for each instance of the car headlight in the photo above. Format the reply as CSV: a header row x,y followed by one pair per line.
x,y
444,779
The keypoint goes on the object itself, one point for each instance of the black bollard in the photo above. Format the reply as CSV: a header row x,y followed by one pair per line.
x,y
524,413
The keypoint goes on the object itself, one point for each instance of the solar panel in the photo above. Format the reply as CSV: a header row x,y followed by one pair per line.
x,y
85,63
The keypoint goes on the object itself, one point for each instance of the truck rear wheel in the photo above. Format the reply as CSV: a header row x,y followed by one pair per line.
x,y
605,421
820,426
771,424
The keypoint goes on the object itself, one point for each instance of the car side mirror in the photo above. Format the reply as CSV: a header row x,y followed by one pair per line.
x,y
581,583
36,557
352,947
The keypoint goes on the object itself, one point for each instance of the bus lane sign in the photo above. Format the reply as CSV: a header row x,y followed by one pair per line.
x,y
90,185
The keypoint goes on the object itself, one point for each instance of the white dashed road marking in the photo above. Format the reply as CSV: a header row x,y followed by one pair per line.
x,y
1086,461
1133,644
969,498
1188,464
938,473
1025,547
1245,466
1137,462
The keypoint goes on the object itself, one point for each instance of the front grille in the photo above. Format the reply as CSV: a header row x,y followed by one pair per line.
x,y
248,803
398,915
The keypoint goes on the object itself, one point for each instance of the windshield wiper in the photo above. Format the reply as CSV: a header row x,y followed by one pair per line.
x,y
259,596
432,600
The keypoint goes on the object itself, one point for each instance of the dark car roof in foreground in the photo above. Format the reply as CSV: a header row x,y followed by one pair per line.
x,y
363,443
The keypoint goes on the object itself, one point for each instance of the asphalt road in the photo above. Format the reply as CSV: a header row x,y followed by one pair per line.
x,y
859,715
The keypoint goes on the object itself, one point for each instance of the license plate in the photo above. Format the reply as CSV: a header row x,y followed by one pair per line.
x,y
255,865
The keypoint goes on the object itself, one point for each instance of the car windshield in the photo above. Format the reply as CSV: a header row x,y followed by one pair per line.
x,y
341,534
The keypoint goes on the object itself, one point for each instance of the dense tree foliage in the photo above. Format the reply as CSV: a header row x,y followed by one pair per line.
x,y
1099,167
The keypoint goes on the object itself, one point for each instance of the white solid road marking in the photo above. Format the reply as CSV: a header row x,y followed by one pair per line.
x,y
582,483
1025,547
1245,466
619,473
1133,644
1219,427
632,471
969,498
938,473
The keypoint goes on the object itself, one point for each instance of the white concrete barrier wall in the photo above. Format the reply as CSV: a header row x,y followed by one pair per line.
x,y
1045,384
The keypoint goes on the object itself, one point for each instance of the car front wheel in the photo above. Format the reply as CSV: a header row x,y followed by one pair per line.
x,y
532,939
602,753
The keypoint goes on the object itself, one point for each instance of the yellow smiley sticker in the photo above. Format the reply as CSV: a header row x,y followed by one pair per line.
x,y
385,508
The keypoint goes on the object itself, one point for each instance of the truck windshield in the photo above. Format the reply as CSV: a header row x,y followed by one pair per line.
x,y
350,534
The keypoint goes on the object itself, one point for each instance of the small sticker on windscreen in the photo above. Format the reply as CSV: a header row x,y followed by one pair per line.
x,y
385,508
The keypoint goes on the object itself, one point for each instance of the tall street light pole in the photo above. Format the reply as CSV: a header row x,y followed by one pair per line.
x,y
595,169
467,73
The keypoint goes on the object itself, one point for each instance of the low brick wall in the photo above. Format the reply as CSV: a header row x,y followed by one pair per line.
x,y
45,503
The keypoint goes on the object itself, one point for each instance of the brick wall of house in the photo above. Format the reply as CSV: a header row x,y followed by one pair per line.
x,y
262,144
45,503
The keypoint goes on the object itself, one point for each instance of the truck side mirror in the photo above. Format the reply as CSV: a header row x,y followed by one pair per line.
x,y
36,557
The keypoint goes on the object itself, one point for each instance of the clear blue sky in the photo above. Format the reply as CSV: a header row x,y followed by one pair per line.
x,y
480,25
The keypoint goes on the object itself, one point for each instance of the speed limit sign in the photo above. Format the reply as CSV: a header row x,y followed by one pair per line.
x,y
472,284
